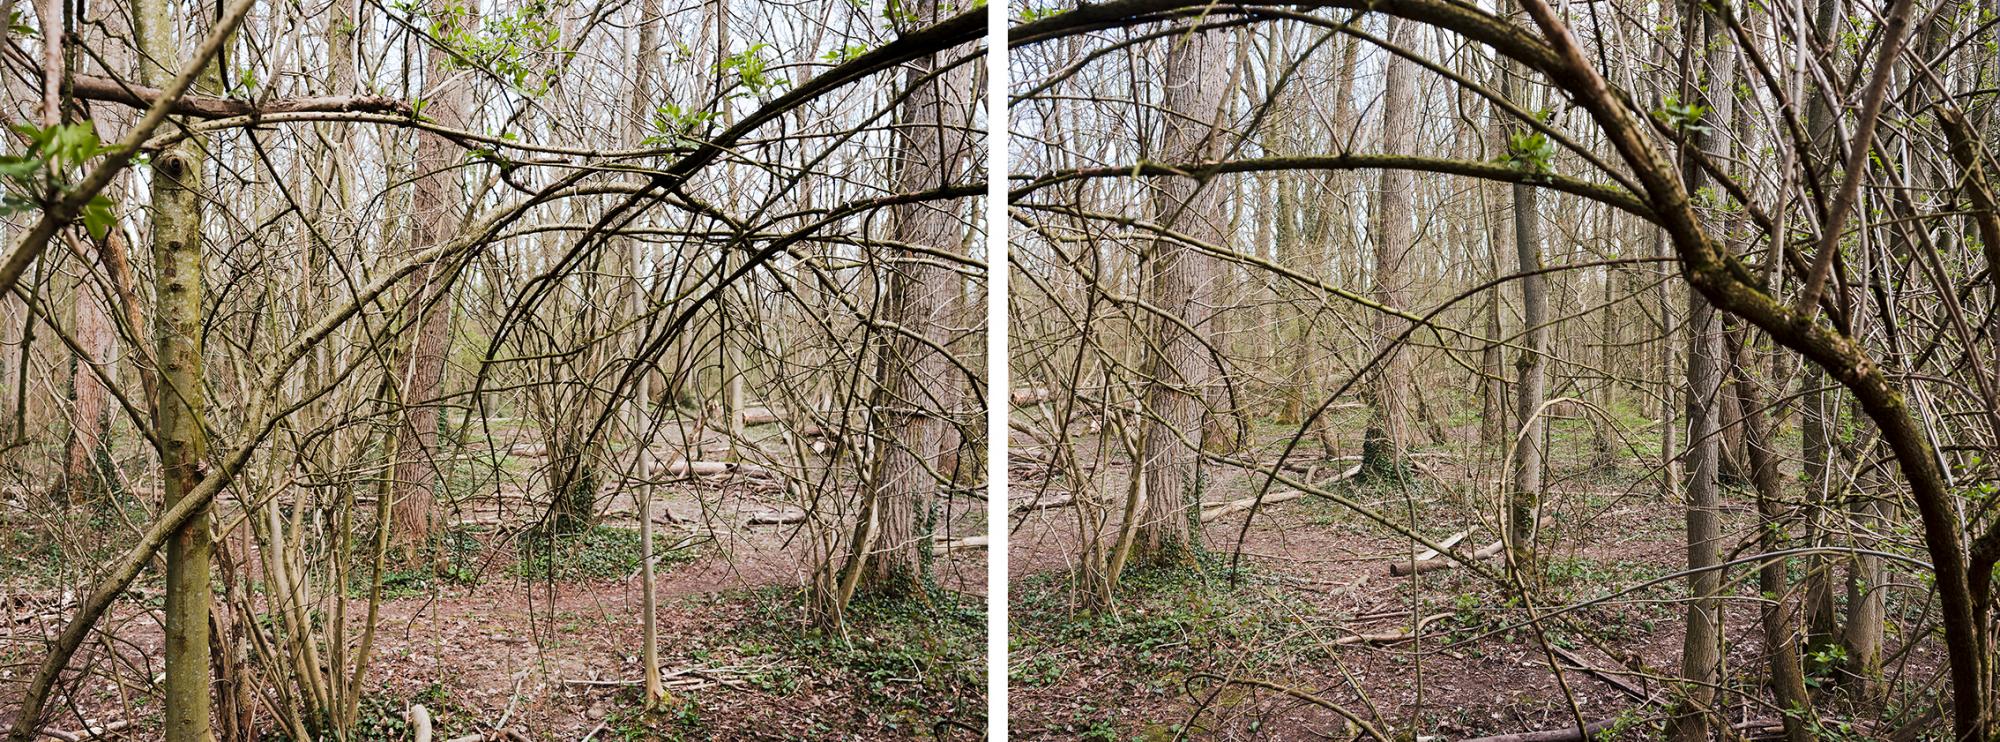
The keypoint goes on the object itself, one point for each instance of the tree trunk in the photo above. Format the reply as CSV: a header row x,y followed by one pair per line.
x,y
1781,644
1178,371
1383,452
436,209
84,478
1816,437
1530,389
640,406
178,286
1701,657
917,389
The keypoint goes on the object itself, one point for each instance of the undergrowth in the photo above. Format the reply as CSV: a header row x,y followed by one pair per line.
x,y
917,665
1168,626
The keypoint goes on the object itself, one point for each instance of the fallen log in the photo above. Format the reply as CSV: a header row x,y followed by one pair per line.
x,y
1233,507
1570,734
778,518
760,416
1065,499
1030,395
420,723
87,732
683,467
1450,541
1393,637
1403,569
949,545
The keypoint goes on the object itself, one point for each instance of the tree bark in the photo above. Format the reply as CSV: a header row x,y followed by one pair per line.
x,y
1383,443
179,287
1178,371
1710,69
918,392
1530,388
437,207
1781,644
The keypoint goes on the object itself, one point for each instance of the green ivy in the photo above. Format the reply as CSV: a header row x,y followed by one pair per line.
x,y
43,173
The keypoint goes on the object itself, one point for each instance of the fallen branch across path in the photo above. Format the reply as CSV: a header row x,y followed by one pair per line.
x,y
1393,637
1571,734
1224,510
1428,561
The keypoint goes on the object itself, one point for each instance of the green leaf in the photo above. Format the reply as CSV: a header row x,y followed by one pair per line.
x,y
98,217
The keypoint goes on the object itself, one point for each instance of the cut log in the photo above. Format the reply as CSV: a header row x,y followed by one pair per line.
x,y
761,416
1232,507
778,518
1402,569
420,723
87,732
1038,502
683,467
949,545
1450,541
1570,734
1030,395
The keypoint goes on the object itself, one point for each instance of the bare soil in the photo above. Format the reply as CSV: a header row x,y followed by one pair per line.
x,y
552,653
1253,651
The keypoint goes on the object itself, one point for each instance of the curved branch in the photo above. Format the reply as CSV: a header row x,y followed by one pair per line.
x,y
1609,195
110,90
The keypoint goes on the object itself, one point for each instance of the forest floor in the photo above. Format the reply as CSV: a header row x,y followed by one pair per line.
x,y
496,637
1314,577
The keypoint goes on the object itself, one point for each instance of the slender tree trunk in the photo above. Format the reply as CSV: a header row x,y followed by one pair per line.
x,y
93,320
83,477
1781,644
1816,436
644,64
1530,389
1670,424
1492,386
179,287
1701,656
1526,497
436,209
1383,444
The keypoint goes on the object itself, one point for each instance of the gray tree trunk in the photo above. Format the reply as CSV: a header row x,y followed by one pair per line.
x,y
933,146
1179,372
1701,655
1383,452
